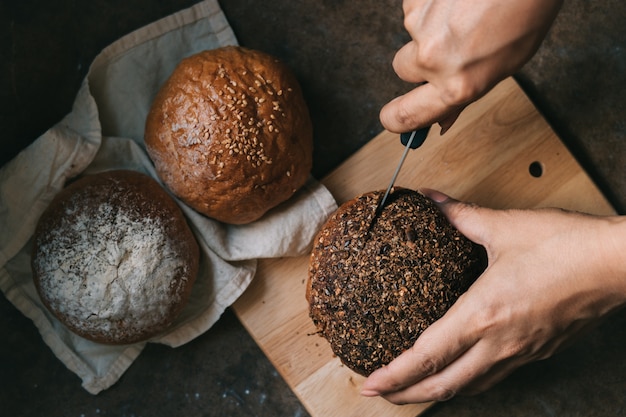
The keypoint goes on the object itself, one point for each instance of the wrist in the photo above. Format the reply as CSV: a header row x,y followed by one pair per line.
x,y
614,248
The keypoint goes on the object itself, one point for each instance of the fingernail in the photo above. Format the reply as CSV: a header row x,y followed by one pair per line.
x,y
443,130
436,196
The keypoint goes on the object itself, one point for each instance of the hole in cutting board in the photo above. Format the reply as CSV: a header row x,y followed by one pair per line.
x,y
535,169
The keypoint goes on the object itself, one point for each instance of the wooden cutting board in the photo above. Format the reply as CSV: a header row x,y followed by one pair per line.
x,y
487,158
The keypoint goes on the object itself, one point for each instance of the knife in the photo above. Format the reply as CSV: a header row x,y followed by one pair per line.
x,y
410,140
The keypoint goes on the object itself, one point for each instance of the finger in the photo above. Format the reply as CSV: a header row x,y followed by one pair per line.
x,y
407,66
432,351
449,120
418,108
458,377
496,374
471,220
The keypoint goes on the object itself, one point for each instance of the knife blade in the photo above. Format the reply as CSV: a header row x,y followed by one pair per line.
x,y
411,140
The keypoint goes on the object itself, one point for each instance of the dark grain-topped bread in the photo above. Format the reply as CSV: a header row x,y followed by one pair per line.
x,y
377,282
113,258
230,133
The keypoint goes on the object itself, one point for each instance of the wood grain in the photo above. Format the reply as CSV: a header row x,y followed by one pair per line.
x,y
485,159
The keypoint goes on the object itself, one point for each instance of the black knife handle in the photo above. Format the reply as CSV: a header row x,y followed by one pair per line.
x,y
418,140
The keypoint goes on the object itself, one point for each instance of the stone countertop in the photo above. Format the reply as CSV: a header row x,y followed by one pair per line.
x,y
341,52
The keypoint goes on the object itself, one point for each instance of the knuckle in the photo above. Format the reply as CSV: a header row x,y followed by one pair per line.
x,y
442,393
398,118
429,366
460,90
513,349
425,363
411,16
487,318
428,53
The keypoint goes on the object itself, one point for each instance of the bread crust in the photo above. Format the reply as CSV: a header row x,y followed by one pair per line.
x,y
113,257
377,282
230,133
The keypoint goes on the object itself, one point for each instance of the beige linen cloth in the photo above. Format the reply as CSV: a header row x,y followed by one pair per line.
x,y
104,131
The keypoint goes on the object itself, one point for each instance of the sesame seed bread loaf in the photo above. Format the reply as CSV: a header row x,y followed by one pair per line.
x,y
230,134
113,258
377,282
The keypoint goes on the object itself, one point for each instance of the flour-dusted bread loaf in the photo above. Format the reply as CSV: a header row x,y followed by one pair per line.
x,y
113,258
230,133
377,282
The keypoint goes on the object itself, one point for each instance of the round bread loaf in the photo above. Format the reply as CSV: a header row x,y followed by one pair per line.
x,y
113,258
230,133
377,282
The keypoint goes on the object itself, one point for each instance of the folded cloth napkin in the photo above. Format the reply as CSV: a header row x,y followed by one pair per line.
x,y
104,131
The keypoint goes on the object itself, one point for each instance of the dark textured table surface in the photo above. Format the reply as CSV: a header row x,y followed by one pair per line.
x,y
341,52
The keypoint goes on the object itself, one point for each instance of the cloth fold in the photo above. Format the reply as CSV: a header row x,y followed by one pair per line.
x,y
104,131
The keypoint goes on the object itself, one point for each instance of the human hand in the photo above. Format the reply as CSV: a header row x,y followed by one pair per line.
x,y
459,50
551,276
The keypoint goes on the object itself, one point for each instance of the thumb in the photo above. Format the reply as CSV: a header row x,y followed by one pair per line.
x,y
471,220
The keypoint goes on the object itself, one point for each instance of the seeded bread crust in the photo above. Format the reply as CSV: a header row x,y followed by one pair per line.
x,y
377,282
113,258
230,134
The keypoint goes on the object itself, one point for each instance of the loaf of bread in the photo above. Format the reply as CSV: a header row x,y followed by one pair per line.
x,y
376,282
230,134
113,257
